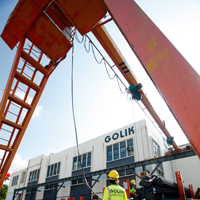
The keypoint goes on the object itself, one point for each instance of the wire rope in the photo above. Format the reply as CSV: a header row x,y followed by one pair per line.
x,y
87,49
84,38
108,72
115,74
74,120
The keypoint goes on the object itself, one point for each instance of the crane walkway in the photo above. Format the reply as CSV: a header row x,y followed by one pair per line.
x,y
19,99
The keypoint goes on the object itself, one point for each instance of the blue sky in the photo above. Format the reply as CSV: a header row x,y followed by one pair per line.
x,y
99,105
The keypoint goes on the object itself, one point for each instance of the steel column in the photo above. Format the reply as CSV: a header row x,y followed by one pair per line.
x,y
55,190
14,195
155,168
90,183
181,189
191,191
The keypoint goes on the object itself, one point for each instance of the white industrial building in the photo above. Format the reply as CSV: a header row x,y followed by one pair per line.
x,y
130,144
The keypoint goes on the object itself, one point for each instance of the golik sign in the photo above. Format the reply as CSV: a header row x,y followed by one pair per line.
x,y
121,134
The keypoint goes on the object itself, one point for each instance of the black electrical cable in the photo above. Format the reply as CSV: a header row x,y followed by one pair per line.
x,y
74,120
115,75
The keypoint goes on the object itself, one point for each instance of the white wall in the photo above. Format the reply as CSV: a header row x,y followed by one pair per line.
x,y
143,149
190,170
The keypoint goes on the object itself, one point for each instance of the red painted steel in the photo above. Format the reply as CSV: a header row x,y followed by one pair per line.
x,y
128,189
112,50
181,189
176,79
191,191
48,38
17,76
84,14
19,22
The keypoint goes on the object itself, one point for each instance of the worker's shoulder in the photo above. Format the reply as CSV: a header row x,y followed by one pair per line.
x,y
113,186
121,188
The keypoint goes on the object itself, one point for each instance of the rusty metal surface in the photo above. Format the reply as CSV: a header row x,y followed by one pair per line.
x,y
84,14
48,38
176,79
180,186
19,21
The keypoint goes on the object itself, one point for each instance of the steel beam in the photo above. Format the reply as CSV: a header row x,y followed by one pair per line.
x,y
118,168
178,82
112,50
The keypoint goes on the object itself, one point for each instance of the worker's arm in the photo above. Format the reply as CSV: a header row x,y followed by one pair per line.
x,y
132,190
95,196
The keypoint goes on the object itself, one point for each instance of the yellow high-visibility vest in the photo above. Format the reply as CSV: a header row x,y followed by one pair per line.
x,y
114,192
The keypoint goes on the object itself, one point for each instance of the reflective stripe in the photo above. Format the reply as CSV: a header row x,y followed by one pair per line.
x,y
109,192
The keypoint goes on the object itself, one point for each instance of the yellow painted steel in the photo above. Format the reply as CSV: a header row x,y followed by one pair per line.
x,y
112,50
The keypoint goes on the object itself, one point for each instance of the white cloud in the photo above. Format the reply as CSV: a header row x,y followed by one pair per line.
x,y
38,108
37,111
18,163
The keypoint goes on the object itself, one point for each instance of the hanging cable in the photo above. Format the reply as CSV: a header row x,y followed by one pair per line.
x,y
74,120
152,123
99,62
76,36
108,72
87,50
115,74
90,43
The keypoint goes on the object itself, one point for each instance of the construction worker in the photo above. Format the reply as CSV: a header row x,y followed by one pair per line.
x,y
114,191
132,189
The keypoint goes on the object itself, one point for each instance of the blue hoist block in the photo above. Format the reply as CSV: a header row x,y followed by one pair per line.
x,y
134,91
170,140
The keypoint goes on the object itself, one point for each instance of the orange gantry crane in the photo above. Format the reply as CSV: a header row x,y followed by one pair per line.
x,y
48,25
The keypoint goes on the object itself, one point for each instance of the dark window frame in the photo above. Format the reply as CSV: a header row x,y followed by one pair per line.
x,y
51,170
78,160
123,151
15,180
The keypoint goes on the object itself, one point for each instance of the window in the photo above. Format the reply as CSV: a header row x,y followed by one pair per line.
x,y
156,149
89,159
120,150
53,169
123,149
79,162
116,151
74,163
77,181
33,176
14,181
109,153
130,147
84,159
126,172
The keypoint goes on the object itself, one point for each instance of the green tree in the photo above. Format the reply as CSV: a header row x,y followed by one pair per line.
x,y
3,191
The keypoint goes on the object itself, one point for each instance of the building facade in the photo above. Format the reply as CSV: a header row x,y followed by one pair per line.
x,y
129,144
